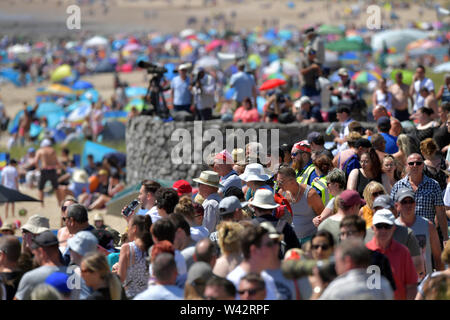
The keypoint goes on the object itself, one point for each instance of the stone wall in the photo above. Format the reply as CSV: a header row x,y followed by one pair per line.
x,y
150,148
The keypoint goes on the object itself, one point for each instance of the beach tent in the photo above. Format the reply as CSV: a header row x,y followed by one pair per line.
x,y
96,42
398,38
52,111
97,150
113,131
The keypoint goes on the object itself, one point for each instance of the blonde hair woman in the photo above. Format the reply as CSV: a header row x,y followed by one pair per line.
x,y
371,191
404,150
97,275
230,245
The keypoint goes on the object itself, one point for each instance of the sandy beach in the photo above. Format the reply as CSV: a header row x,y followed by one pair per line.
x,y
46,19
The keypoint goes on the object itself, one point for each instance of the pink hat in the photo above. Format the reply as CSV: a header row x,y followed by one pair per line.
x,y
225,157
350,198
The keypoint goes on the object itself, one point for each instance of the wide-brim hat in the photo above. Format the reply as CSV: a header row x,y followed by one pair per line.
x,y
254,172
80,176
264,199
36,224
209,178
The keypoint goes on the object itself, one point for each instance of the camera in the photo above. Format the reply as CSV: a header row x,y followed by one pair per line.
x,y
295,269
152,68
130,208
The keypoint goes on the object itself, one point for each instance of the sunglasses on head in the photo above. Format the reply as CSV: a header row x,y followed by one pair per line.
x,y
407,201
251,292
378,193
323,246
383,226
417,163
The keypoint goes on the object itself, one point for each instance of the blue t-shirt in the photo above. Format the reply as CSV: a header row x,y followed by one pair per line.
x,y
391,143
230,180
243,84
181,93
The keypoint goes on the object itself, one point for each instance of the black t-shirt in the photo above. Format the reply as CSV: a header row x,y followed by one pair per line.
x,y
442,137
11,281
103,294
380,260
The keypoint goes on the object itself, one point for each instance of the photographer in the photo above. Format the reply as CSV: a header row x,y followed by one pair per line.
x,y
203,91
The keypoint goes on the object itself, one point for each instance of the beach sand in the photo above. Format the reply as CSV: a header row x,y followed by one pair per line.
x,y
45,19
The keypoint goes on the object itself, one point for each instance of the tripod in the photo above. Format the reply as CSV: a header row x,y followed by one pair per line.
x,y
154,95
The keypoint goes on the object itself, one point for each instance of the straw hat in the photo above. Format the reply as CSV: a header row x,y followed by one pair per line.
x,y
209,178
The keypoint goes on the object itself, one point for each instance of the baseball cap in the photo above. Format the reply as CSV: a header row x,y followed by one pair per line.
x,y
46,143
83,242
230,204
302,146
31,150
404,193
58,280
384,201
383,216
273,234
182,187
313,136
350,198
44,239
384,122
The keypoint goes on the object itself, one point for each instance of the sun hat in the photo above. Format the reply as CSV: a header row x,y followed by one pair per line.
x,y
36,224
230,204
209,178
44,239
254,172
343,72
383,216
264,199
80,176
83,242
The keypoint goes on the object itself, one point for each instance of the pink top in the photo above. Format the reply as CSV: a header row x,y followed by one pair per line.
x,y
244,115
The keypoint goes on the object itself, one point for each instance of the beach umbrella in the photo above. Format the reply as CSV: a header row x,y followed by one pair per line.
x,y
207,62
407,75
132,92
61,72
76,105
187,33
326,29
131,47
19,49
276,75
96,42
226,56
80,113
91,95
58,89
82,85
271,84
138,103
214,44
366,76
344,45
397,39
444,67
255,59
12,195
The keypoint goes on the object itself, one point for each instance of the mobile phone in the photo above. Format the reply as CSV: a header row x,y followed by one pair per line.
x,y
130,208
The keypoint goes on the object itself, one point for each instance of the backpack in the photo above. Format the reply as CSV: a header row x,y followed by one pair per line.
x,y
284,211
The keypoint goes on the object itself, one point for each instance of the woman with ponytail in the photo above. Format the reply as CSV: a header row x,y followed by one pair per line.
x,y
95,272
133,267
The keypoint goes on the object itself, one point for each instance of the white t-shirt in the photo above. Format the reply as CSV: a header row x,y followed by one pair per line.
x,y
9,175
198,233
447,196
238,273
179,261
419,100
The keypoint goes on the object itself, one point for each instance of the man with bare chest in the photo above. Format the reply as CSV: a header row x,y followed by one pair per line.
x,y
47,162
400,96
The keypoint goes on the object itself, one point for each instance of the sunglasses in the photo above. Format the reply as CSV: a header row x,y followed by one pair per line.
x,y
323,246
251,292
63,208
271,243
294,154
64,219
407,201
417,163
383,226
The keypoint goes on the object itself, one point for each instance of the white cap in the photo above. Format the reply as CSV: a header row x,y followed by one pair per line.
x,y
383,216
46,143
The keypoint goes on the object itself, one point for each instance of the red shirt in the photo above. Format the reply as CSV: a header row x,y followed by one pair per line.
x,y
403,269
245,115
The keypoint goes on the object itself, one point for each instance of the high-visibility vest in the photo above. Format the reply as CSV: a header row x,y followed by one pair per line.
x,y
304,177
321,185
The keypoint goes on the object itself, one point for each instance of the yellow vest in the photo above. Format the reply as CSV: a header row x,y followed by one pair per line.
x,y
305,175
321,185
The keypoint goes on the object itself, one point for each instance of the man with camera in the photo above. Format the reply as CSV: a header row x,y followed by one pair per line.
x,y
203,91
